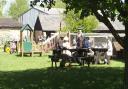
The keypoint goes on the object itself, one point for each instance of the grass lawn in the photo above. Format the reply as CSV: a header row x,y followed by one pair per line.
x,y
36,73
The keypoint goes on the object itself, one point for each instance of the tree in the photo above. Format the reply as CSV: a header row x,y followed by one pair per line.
x,y
104,10
17,8
73,22
2,3
59,4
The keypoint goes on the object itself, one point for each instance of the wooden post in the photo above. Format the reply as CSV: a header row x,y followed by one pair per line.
x,y
69,38
31,34
60,26
22,49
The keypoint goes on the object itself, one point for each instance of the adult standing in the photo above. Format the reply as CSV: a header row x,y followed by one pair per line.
x,y
79,39
109,53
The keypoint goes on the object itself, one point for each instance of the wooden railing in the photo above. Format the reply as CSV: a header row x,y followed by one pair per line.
x,y
50,42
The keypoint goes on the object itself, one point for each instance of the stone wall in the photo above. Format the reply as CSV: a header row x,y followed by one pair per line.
x,y
9,35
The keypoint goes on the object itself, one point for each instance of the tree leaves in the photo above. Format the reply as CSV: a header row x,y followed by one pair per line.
x,y
2,3
17,8
73,22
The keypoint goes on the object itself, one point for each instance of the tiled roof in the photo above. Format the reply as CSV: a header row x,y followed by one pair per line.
x,y
117,25
51,22
9,23
53,11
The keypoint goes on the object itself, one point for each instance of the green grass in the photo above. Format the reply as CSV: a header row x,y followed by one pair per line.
x,y
36,73
15,63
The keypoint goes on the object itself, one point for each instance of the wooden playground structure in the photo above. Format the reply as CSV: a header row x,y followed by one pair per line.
x,y
26,44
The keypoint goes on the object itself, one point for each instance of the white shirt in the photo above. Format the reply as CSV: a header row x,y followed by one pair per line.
x,y
66,45
110,48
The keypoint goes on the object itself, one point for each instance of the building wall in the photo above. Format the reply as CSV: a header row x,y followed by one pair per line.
x,y
29,17
9,35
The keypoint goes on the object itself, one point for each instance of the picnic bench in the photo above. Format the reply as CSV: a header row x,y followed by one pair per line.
x,y
30,53
56,55
79,55
99,52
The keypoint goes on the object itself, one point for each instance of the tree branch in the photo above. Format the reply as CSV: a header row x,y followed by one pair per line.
x,y
112,29
103,18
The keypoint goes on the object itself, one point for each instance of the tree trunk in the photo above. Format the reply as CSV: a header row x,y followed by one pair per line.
x,y
126,58
126,64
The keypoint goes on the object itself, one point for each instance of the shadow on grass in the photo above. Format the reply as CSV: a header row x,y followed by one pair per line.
x,y
70,78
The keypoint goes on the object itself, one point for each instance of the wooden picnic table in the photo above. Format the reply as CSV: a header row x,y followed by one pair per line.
x,y
83,55
80,57
98,52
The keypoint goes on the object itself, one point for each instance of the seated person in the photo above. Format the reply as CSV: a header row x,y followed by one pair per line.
x,y
66,54
74,43
60,43
87,44
66,45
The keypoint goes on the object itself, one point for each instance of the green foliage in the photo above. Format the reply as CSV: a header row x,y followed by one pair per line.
x,y
109,8
59,4
104,10
17,8
2,3
73,22
0,13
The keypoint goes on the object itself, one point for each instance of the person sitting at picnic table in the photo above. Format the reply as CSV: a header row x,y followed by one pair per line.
x,y
87,44
66,54
74,44
66,45
60,42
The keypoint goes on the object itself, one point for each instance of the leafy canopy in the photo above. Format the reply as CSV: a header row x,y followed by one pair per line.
x,y
73,22
2,3
108,8
17,8
104,10
59,4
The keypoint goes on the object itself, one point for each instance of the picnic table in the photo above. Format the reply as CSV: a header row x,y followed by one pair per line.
x,y
98,52
82,55
78,55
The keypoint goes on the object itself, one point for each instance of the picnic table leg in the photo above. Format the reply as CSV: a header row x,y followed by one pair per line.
x,y
82,62
52,63
97,57
40,54
31,54
62,63
55,64
88,62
